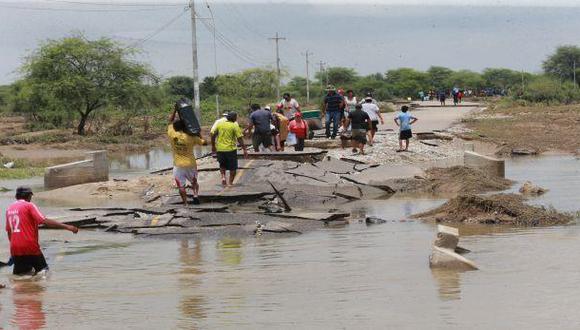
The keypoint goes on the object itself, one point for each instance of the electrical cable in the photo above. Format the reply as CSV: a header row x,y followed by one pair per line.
x,y
238,51
160,29
111,4
10,6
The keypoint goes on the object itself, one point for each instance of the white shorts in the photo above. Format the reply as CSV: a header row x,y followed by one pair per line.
x,y
184,174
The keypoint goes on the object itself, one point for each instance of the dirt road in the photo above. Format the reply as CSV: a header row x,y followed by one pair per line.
x,y
431,117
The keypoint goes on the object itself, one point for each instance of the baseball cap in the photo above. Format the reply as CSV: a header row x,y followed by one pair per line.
x,y
267,108
298,114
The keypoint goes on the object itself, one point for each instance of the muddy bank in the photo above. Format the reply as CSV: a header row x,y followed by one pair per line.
x,y
524,130
457,180
499,209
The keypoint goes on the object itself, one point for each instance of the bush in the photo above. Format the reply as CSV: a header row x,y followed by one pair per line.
x,y
550,91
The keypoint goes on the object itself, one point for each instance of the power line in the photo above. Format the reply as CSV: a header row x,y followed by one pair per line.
x,y
112,4
245,24
160,29
10,6
234,49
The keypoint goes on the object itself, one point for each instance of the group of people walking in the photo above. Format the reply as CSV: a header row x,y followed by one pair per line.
x,y
268,130
354,120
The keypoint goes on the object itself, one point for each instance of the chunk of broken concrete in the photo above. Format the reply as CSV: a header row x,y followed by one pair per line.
x,y
530,189
335,166
374,221
389,178
430,143
524,151
444,255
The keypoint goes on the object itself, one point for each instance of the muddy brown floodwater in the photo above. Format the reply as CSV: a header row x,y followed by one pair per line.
x,y
356,277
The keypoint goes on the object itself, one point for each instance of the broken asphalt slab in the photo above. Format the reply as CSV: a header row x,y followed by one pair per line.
x,y
390,178
335,166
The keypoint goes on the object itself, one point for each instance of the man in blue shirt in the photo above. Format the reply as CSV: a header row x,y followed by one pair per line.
x,y
404,120
333,103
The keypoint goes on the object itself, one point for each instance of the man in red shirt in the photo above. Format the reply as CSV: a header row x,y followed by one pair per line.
x,y
22,221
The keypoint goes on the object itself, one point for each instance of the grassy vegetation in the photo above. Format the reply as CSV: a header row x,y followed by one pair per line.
x,y
22,169
20,173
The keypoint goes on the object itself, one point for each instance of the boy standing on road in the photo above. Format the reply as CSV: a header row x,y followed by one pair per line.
x,y
404,120
184,163
224,140
22,221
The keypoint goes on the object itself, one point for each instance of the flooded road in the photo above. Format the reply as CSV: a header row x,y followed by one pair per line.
x,y
353,277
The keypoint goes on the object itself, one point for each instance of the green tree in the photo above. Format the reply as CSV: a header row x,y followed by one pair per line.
x,y
439,77
179,86
208,87
466,79
338,76
503,79
249,85
85,76
561,63
375,84
406,82
296,87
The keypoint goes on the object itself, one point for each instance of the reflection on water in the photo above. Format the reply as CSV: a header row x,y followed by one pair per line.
x,y
192,303
156,158
449,283
27,298
359,276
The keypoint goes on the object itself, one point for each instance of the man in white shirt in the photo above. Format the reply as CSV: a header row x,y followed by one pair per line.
x,y
375,115
289,105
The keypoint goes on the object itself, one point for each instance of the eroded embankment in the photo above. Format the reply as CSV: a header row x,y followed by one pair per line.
x,y
458,180
499,209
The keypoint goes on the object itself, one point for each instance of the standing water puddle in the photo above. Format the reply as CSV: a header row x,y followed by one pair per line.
x,y
353,277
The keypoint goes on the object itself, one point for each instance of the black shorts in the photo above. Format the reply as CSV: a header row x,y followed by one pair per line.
x,y
261,138
228,160
23,265
375,125
405,135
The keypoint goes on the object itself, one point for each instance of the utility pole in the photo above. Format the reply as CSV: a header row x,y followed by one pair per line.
x,y
307,76
277,39
575,84
523,83
323,73
196,101
217,96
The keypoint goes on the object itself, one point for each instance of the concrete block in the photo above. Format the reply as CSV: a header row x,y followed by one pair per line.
x,y
489,165
94,169
444,251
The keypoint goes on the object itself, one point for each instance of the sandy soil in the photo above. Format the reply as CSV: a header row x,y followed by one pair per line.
x,y
459,180
500,209
535,128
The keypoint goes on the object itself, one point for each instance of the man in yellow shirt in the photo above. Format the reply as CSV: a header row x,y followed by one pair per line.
x,y
184,164
225,138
